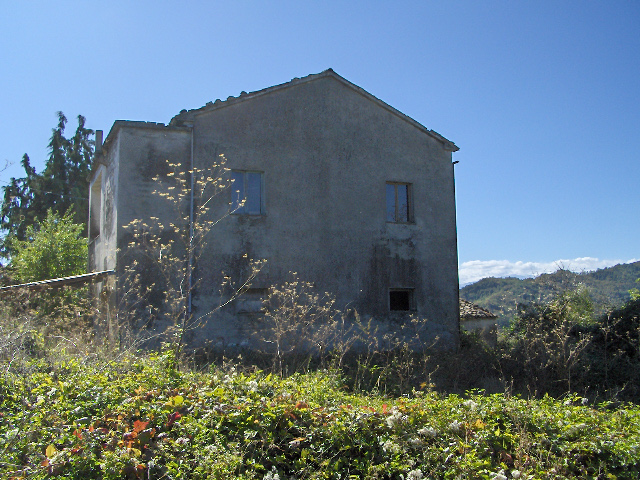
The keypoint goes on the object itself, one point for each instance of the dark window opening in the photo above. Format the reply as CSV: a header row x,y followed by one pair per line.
x,y
401,300
251,301
95,208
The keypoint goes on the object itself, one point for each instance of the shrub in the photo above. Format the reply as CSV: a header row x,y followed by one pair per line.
x,y
54,248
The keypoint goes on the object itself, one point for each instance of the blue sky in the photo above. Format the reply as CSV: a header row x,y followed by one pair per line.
x,y
543,98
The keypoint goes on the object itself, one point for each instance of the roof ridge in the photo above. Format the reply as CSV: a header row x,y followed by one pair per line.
x,y
187,115
243,94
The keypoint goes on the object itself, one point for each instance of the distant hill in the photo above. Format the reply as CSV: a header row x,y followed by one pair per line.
x,y
609,287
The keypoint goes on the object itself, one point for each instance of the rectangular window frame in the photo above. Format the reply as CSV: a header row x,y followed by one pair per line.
x,y
250,302
398,214
248,208
411,300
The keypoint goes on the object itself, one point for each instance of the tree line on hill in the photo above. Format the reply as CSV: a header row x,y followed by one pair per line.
x,y
608,288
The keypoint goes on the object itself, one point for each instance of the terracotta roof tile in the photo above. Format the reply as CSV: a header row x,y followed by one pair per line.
x,y
470,311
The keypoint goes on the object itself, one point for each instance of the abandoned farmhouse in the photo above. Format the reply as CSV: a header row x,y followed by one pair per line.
x,y
328,181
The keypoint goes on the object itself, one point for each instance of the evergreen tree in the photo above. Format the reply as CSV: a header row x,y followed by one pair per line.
x,y
61,186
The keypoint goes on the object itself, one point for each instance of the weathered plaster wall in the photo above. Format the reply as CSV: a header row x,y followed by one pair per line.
x,y
326,152
103,195
143,154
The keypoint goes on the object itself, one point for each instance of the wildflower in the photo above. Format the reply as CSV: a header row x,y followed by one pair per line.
x,y
253,386
182,441
395,418
389,447
499,475
515,474
455,426
428,432
272,475
470,404
415,475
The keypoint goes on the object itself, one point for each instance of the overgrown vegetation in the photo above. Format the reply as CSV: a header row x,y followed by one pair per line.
x,y
138,417
73,410
163,253
53,248
326,395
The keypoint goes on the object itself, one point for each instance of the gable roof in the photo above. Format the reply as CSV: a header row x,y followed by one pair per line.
x,y
180,121
471,311
187,115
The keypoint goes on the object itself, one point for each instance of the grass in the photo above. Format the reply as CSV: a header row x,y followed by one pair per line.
x,y
139,418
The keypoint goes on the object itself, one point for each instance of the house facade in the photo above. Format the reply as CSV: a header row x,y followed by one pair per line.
x,y
328,182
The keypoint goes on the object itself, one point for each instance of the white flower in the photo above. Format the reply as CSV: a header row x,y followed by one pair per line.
x,y
428,432
395,418
515,474
455,426
415,475
253,386
272,475
470,404
390,447
499,475
182,441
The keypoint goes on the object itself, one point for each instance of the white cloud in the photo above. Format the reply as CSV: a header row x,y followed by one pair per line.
x,y
475,270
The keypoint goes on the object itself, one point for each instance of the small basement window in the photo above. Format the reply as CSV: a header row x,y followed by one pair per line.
x,y
251,301
401,300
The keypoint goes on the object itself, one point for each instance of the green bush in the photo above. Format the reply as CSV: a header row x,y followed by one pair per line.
x,y
139,418
54,248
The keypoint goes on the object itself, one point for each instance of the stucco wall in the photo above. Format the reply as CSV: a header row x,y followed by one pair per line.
x,y
327,153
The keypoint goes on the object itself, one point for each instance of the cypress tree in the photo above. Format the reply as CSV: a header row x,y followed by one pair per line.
x,y
61,186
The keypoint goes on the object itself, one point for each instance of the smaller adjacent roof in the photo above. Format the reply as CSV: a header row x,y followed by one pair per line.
x,y
471,311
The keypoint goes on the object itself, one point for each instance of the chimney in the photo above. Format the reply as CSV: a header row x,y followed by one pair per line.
x,y
98,141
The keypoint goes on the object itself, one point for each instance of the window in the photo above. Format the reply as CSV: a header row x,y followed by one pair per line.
x,y
95,209
399,202
251,301
246,192
401,300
